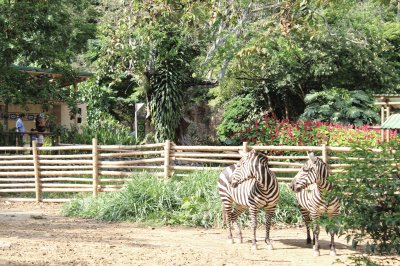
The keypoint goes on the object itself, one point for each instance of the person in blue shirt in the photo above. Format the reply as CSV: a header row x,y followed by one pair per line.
x,y
20,129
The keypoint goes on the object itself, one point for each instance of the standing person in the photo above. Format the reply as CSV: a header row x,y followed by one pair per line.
x,y
20,129
40,127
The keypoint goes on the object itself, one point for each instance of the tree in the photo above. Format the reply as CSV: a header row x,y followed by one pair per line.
x,y
46,34
280,51
151,45
315,45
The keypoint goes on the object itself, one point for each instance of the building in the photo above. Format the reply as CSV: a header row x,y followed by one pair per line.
x,y
59,111
390,113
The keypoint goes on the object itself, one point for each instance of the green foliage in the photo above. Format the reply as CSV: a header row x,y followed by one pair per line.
x,y
269,130
193,201
46,34
236,112
106,129
150,57
317,45
166,102
369,192
190,201
341,106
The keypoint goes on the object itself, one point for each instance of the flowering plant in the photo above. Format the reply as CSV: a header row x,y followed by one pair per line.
x,y
269,130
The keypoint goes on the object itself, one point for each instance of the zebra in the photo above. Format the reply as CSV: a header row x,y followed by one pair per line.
x,y
249,184
309,184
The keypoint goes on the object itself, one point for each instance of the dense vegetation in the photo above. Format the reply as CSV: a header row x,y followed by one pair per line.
x,y
190,201
44,34
273,54
369,193
269,130
178,55
291,72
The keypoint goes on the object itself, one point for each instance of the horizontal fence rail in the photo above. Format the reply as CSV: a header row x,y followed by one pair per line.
x,y
35,171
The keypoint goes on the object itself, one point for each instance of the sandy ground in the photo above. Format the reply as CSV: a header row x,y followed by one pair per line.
x,y
37,234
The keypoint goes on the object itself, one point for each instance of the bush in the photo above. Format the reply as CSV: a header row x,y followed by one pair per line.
x,y
369,193
269,130
237,112
341,106
189,201
106,130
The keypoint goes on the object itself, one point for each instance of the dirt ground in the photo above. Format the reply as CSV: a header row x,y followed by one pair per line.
x,y
37,234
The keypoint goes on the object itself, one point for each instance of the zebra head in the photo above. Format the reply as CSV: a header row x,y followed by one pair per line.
x,y
248,166
313,171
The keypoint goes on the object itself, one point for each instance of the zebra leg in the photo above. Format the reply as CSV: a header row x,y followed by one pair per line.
x,y
333,211
268,221
332,246
235,215
306,216
228,213
316,235
253,217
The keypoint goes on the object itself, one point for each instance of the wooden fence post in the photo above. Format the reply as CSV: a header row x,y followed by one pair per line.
x,y
167,149
387,117
245,146
95,175
324,154
36,170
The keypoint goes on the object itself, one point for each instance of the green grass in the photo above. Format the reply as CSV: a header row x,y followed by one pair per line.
x,y
190,201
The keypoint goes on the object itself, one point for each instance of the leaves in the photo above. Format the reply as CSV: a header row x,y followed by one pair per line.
x,y
341,106
369,195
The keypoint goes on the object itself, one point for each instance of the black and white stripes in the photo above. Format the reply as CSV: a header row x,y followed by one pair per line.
x,y
309,185
250,184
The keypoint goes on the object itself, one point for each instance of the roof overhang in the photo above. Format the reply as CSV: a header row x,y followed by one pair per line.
x,y
393,122
387,100
52,74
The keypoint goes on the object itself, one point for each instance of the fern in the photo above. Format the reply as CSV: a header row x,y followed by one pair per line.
x,y
341,106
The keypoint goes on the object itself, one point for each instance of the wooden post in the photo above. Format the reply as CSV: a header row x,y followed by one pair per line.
x,y
387,117
95,175
167,150
36,170
245,146
324,154
382,121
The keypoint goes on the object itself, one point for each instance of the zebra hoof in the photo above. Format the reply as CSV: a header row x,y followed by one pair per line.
x,y
316,253
333,253
230,241
254,247
270,247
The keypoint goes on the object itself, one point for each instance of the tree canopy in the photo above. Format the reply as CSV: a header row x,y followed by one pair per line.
x,y
275,51
173,54
45,34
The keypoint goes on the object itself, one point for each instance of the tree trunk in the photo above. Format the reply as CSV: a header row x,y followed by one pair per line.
x,y
5,117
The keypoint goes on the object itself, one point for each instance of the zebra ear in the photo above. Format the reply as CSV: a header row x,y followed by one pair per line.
x,y
242,153
312,156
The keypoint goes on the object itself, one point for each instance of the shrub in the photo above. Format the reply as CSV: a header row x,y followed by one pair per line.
x,y
237,112
269,130
189,201
369,193
341,106
106,130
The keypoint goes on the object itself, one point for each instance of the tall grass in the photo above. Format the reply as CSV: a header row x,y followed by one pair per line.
x,y
189,201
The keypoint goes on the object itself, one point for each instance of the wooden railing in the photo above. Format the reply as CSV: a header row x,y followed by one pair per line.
x,y
103,168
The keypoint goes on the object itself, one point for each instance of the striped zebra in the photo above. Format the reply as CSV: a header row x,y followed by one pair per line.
x,y
249,184
309,185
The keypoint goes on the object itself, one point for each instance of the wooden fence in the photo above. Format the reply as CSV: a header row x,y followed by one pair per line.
x,y
36,171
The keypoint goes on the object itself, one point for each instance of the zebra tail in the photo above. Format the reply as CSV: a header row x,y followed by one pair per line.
x,y
223,213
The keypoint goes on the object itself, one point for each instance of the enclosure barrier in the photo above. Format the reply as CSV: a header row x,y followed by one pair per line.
x,y
31,173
